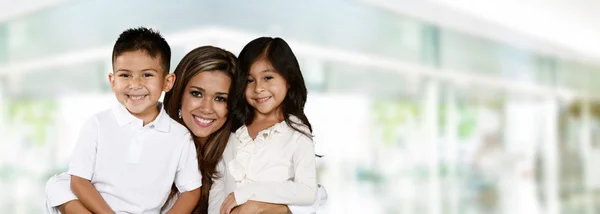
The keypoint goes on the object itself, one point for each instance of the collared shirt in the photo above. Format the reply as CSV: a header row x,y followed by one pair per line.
x,y
278,166
133,166
217,194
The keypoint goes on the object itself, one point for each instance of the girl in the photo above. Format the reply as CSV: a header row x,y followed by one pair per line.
x,y
270,157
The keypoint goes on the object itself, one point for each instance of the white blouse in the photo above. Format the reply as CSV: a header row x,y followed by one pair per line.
x,y
276,167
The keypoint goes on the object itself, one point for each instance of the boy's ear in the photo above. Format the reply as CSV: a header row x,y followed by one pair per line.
x,y
111,79
169,81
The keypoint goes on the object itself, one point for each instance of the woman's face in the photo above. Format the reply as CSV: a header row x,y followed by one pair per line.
x,y
204,102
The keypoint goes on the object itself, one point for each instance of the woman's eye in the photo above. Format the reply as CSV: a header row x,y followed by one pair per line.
x,y
220,99
196,94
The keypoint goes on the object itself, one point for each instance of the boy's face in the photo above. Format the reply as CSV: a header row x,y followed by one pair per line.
x,y
138,81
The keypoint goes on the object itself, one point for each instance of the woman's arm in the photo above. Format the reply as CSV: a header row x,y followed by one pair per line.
x,y
88,195
217,190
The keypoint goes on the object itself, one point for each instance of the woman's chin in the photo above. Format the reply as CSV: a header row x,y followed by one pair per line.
x,y
202,133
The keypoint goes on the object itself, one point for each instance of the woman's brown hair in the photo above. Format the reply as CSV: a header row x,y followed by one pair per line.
x,y
202,59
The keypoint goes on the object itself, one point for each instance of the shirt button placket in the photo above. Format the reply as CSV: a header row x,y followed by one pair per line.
x,y
136,147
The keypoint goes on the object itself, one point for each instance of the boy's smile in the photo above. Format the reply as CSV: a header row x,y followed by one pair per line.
x,y
138,81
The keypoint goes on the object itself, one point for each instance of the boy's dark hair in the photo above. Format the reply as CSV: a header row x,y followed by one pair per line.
x,y
145,39
279,54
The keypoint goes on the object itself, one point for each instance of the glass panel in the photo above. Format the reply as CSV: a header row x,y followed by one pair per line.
x,y
353,26
573,75
54,30
465,53
3,44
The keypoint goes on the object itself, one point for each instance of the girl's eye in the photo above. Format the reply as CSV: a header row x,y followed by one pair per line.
x,y
250,81
268,77
220,99
196,94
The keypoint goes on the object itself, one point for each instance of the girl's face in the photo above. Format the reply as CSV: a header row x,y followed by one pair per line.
x,y
204,102
266,89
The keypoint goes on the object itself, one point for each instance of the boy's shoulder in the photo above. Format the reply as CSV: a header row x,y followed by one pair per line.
x,y
102,116
176,127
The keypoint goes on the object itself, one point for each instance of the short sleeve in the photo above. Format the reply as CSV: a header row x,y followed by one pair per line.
x,y
188,175
83,158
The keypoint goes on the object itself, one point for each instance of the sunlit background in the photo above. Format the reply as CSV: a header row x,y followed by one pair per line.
x,y
418,106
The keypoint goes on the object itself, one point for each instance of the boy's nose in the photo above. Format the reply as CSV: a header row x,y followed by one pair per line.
x,y
135,83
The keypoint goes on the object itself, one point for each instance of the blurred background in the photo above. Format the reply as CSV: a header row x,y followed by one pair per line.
x,y
418,106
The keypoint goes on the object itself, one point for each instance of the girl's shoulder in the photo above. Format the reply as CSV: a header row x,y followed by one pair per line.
x,y
296,127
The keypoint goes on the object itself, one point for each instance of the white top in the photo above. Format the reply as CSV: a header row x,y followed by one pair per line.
x,y
217,194
133,166
276,167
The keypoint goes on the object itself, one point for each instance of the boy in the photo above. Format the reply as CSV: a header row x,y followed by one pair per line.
x,y
127,158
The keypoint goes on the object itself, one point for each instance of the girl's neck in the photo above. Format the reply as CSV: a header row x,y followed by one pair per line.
x,y
261,122
275,117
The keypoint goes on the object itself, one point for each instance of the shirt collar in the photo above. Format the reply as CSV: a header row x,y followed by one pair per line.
x,y
161,123
280,127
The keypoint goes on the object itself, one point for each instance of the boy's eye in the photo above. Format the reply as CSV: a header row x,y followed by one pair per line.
x,y
124,75
220,99
196,94
148,75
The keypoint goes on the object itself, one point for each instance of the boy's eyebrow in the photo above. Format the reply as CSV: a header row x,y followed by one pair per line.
x,y
146,69
202,90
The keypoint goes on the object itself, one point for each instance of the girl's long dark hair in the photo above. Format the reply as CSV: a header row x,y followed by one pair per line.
x,y
202,59
279,54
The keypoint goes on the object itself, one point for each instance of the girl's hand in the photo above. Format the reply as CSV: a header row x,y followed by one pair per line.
x,y
228,204
250,207
256,207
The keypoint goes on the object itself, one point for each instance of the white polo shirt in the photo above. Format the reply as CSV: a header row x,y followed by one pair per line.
x,y
133,166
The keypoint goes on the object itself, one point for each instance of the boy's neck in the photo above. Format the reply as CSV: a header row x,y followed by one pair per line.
x,y
148,116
